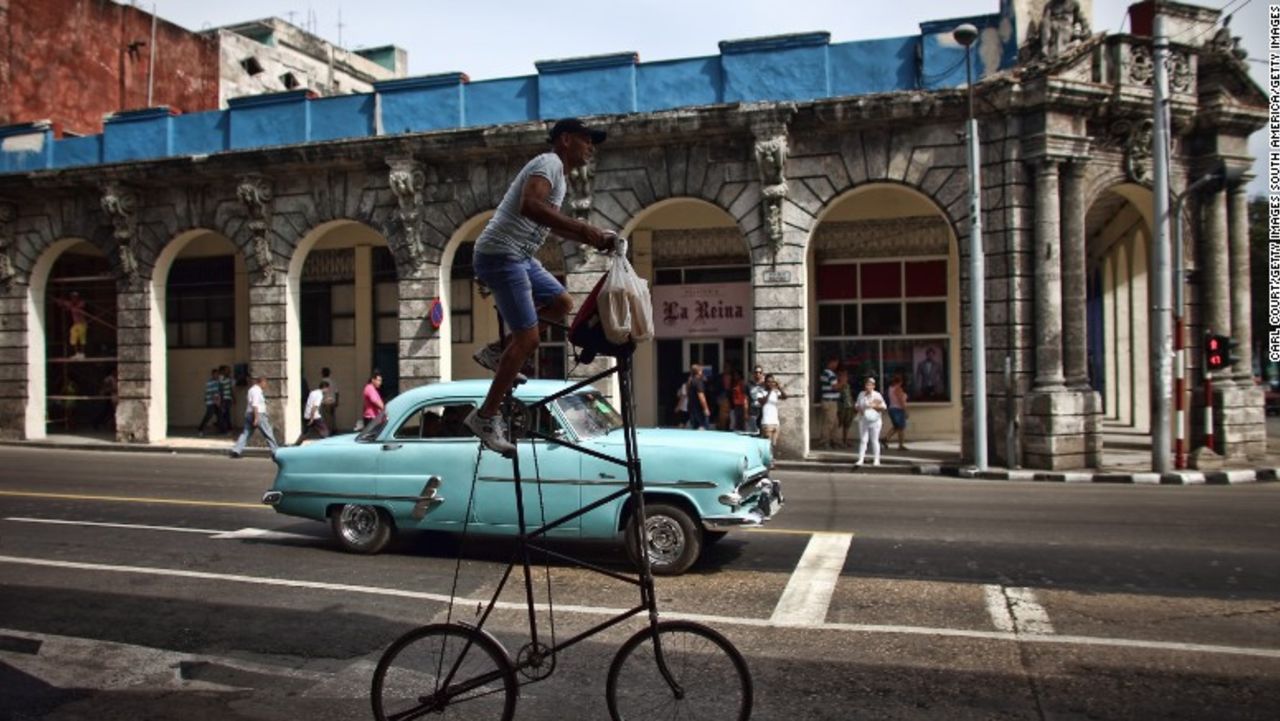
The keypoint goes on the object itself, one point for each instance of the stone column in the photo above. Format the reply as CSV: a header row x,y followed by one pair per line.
x,y
268,356
1075,342
1241,320
1048,270
133,366
1215,274
421,345
778,297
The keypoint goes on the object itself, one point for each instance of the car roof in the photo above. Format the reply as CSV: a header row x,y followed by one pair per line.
x,y
529,391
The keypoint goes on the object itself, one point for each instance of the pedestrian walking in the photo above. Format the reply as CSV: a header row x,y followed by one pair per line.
x,y
329,407
682,405
212,402
228,398
504,261
829,394
740,405
869,405
255,418
845,410
313,424
897,412
699,408
756,392
769,418
373,405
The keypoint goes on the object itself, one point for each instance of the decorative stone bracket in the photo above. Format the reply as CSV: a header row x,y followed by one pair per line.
x,y
771,158
256,193
8,272
1135,137
408,179
581,180
120,204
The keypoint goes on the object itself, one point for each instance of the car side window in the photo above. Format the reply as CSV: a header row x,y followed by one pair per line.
x,y
438,420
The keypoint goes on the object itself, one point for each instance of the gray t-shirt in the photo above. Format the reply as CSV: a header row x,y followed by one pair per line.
x,y
508,232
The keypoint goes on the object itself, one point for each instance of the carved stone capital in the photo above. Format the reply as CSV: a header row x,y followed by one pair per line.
x,y
120,203
1135,137
408,179
581,182
771,160
255,191
8,218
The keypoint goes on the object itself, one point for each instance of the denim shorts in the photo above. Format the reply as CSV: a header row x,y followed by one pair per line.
x,y
519,286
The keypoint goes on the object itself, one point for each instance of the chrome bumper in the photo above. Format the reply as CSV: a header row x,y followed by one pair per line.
x,y
767,503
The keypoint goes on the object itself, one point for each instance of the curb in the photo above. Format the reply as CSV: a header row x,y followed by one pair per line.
x,y
1176,478
135,448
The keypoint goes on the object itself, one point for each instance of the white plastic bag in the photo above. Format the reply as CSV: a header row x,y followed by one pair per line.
x,y
626,310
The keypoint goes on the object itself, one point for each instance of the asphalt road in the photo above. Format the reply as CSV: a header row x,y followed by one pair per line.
x,y
135,586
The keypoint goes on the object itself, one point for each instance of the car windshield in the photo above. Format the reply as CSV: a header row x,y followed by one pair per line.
x,y
589,414
373,429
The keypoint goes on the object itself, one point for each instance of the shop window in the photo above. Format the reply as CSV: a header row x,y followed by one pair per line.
x,y
386,297
200,307
882,318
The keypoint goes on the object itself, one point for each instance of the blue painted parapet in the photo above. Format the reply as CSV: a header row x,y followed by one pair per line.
x,y
799,67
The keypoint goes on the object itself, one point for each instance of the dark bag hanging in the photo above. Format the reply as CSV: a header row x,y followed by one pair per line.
x,y
587,330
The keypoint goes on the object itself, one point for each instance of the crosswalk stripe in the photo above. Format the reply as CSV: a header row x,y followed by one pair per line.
x,y
808,593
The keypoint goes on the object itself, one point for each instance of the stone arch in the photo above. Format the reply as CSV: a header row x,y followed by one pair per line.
x,y
293,327
157,286
34,426
1118,236
464,233
882,225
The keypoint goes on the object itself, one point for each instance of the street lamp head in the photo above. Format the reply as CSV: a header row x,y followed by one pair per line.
x,y
965,34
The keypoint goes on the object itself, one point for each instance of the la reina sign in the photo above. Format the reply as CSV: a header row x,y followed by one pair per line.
x,y
713,309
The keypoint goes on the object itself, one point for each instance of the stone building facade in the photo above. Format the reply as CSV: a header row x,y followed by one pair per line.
x,y
806,188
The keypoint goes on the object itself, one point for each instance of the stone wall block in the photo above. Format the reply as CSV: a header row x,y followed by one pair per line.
x,y
260,295
876,149
748,201
779,341
778,319
785,296
266,332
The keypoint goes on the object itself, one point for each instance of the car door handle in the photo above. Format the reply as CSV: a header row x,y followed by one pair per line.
x,y
607,475
392,446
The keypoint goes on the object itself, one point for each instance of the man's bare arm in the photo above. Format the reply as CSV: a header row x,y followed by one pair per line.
x,y
535,206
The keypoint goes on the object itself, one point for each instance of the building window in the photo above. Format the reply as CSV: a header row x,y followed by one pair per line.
x,y
460,289
386,297
885,318
698,275
251,65
200,305
289,81
328,314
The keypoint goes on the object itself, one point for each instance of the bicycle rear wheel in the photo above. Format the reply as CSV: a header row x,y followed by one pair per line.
x,y
712,677
444,671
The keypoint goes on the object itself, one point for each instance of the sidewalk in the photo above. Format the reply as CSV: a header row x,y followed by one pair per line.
x,y
1127,458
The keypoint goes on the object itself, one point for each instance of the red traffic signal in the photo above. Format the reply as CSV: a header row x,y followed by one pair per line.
x,y
1219,352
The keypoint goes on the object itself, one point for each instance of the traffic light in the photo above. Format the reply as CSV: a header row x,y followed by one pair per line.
x,y
1219,352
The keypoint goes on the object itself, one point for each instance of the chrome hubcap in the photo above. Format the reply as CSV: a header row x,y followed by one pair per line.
x,y
358,523
665,539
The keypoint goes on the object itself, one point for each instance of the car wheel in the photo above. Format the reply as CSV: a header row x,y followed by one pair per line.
x,y
672,539
360,529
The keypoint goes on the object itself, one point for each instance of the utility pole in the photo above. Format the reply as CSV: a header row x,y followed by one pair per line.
x,y
966,35
1161,295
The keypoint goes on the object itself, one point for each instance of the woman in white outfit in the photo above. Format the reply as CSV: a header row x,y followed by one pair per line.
x,y
868,407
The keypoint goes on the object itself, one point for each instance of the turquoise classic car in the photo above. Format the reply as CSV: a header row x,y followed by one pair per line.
x,y
414,469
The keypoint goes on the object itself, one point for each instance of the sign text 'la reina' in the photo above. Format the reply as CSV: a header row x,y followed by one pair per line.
x,y
713,309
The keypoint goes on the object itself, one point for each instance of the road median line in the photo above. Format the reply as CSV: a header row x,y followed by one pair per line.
x,y
1137,644
132,499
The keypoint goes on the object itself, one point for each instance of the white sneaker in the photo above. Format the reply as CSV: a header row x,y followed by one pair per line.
x,y
490,357
492,432
876,463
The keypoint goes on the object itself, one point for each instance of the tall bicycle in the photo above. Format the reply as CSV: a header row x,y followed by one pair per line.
x,y
668,669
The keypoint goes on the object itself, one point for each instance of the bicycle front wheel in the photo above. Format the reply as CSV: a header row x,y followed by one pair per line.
x,y
444,671
711,679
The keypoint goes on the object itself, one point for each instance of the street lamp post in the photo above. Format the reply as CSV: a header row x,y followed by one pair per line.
x,y
966,35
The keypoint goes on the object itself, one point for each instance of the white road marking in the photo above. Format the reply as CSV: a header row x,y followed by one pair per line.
x,y
998,608
177,529
805,600
1015,610
262,534
215,533
707,618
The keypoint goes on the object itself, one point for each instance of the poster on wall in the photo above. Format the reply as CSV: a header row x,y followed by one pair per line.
x,y
929,372
706,310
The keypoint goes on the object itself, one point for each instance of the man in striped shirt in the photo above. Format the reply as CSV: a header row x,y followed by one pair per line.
x,y
212,402
829,382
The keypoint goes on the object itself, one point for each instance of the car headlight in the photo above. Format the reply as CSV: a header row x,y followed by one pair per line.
x,y
733,500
